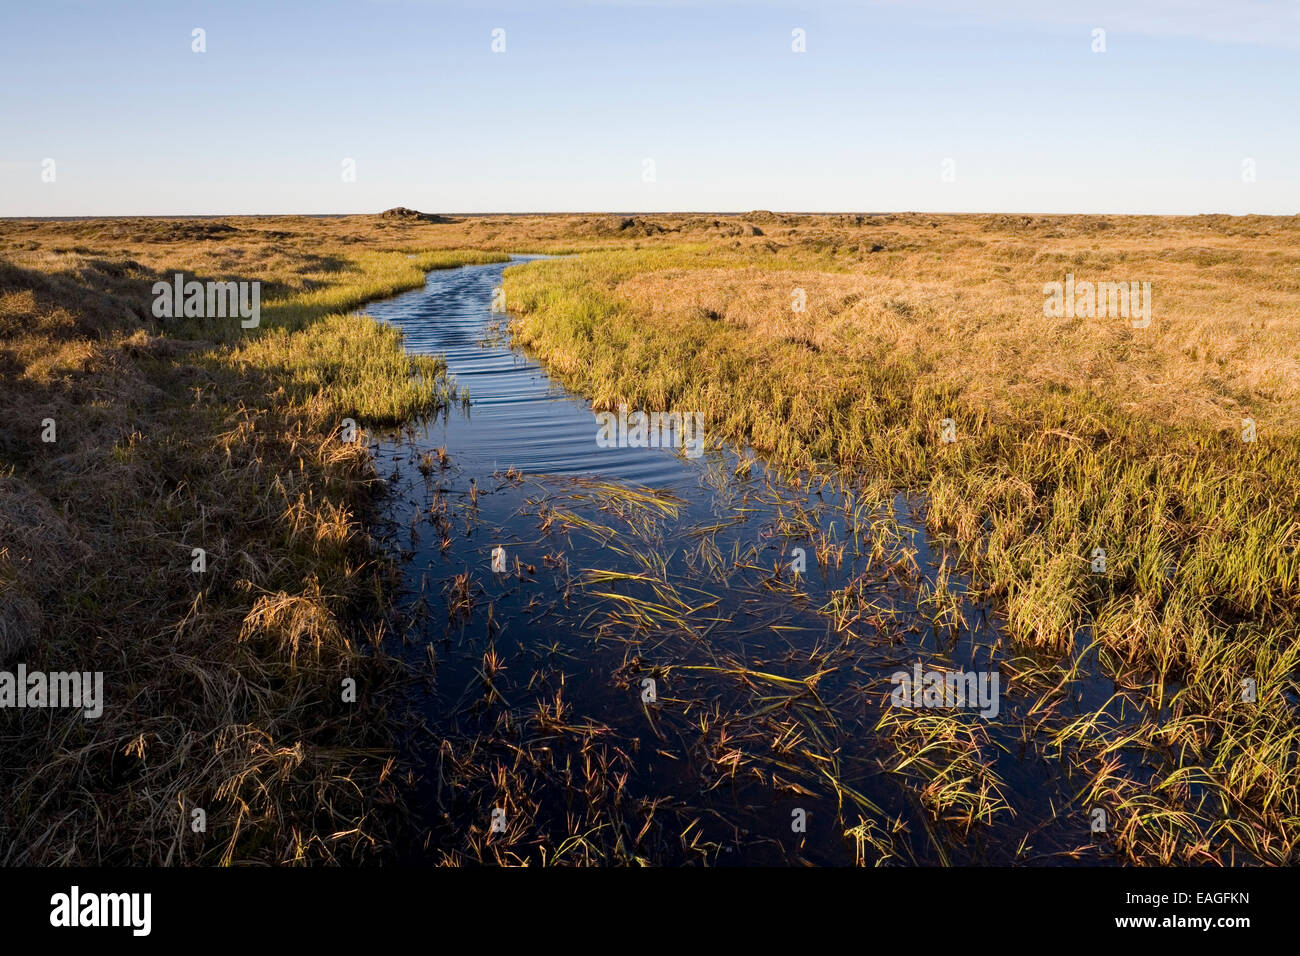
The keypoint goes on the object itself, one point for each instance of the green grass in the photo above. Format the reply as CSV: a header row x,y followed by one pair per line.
x,y
1202,584
223,688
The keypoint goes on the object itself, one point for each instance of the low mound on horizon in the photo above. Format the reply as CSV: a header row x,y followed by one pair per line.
x,y
412,215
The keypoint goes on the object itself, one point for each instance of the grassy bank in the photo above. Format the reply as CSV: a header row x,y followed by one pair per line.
x,y
1071,434
224,688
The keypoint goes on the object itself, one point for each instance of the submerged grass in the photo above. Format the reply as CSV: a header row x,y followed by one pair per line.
x,y
225,688
1070,436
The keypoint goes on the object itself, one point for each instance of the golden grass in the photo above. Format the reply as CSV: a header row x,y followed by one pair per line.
x,y
224,689
1070,434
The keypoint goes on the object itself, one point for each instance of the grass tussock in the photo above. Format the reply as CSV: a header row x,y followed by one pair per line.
x,y
1071,435
226,689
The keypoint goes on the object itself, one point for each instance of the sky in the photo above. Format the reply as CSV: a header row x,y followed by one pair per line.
x,y
594,105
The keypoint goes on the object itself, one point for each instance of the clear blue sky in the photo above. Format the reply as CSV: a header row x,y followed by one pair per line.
x,y
1009,90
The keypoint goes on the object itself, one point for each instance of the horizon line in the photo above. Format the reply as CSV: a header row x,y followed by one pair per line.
x,y
626,212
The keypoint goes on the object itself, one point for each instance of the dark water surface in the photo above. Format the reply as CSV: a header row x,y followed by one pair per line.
x,y
628,565
519,417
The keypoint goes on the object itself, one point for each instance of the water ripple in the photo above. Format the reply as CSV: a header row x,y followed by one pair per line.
x,y
518,416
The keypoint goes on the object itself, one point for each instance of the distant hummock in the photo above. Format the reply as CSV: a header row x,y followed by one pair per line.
x,y
412,215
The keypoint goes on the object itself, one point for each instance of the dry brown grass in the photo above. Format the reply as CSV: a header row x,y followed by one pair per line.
x,y
224,693
223,689
1070,434
966,305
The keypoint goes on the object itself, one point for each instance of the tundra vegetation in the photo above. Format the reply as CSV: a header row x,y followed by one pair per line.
x,y
223,688
1073,433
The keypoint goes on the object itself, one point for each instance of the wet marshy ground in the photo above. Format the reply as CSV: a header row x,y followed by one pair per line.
x,y
651,679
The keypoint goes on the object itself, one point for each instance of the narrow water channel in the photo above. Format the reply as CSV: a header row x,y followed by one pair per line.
x,y
649,680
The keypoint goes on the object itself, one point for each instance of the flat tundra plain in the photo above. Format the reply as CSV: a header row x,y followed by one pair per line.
x,y
1101,414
